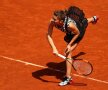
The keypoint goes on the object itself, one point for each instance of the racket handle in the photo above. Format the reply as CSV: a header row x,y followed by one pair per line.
x,y
61,56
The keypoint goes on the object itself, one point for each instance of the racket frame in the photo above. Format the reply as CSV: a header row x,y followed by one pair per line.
x,y
63,57
86,62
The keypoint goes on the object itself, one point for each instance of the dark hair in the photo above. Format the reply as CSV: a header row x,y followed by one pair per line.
x,y
60,14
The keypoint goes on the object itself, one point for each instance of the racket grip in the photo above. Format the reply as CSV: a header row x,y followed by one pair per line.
x,y
61,56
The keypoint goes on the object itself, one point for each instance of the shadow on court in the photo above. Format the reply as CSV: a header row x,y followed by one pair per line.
x,y
51,71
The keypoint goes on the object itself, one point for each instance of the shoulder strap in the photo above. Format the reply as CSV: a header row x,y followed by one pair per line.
x,y
65,24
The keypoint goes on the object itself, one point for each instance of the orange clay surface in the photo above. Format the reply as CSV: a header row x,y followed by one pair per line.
x,y
23,28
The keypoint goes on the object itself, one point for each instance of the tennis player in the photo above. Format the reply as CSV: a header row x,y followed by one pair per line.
x,y
73,23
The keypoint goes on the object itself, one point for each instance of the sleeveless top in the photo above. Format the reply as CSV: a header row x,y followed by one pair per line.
x,y
66,23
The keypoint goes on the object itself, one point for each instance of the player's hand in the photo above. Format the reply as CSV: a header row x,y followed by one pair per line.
x,y
55,52
68,49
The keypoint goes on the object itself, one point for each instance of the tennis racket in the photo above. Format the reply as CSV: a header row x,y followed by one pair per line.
x,y
82,67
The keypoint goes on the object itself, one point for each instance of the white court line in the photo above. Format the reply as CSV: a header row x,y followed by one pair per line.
x,y
28,63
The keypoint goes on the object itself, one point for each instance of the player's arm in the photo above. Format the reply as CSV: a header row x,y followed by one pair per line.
x,y
71,46
75,31
49,37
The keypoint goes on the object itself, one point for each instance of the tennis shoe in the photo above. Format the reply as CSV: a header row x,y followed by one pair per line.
x,y
96,18
66,81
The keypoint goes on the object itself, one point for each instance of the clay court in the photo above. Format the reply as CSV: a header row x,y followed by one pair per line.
x,y
26,59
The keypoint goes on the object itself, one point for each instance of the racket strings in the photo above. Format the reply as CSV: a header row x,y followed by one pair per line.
x,y
82,67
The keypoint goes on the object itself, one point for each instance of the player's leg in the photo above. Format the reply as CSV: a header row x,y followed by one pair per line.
x,y
69,61
93,19
67,79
